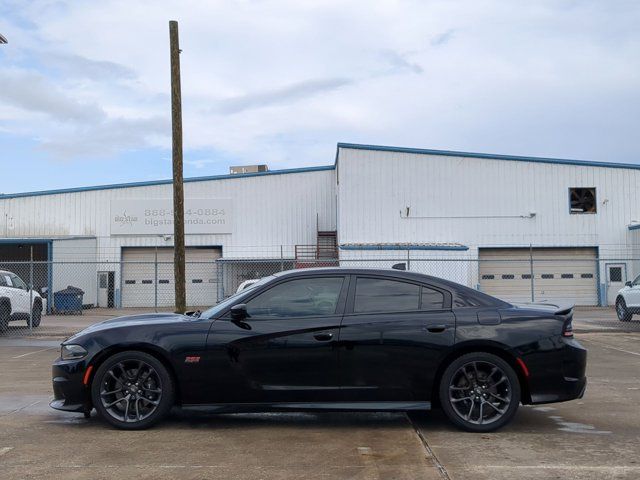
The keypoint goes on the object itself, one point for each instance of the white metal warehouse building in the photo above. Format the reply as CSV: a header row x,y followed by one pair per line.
x,y
478,219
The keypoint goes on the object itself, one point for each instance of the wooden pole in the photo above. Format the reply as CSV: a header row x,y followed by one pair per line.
x,y
178,188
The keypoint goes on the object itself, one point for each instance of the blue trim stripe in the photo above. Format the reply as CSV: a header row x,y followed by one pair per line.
x,y
488,156
167,182
399,246
635,226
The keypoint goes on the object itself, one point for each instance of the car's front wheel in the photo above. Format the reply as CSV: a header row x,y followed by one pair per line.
x,y
480,392
132,390
36,315
622,311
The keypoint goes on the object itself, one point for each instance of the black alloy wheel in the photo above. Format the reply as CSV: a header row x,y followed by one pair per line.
x,y
621,310
132,390
480,392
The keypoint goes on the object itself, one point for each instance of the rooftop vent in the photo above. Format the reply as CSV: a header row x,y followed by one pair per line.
x,y
248,169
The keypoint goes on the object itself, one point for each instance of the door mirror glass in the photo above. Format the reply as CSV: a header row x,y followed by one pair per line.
x,y
628,284
239,312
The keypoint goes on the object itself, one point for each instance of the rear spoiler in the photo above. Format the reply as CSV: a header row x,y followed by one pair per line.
x,y
558,308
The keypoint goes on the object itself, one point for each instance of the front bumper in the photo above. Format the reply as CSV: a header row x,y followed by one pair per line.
x,y
69,393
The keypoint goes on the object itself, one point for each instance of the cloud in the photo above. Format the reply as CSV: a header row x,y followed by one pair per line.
x,y
78,66
281,81
279,96
106,138
34,92
399,63
443,38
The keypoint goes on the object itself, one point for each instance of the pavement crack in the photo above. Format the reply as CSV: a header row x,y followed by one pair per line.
x,y
442,471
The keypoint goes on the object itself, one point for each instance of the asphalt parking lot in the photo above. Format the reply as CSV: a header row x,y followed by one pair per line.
x,y
595,438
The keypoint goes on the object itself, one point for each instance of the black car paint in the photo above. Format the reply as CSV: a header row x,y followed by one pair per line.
x,y
340,361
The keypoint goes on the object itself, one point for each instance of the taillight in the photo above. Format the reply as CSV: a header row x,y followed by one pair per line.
x,y
567,329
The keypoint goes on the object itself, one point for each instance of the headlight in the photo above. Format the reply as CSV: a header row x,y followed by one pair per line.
x,y
72,352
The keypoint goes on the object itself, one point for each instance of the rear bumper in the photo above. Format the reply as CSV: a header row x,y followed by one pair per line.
x,y
69,393
558,375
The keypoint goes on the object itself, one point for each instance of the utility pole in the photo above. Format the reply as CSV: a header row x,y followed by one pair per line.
x,y
178,187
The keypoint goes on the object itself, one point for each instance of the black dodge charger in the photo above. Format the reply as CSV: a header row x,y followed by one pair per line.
x,y
328,339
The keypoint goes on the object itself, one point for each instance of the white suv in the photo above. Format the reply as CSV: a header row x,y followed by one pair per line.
x,y
628,301
17,301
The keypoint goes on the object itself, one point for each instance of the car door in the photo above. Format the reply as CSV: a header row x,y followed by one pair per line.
x,y
394,334
285,350
21,301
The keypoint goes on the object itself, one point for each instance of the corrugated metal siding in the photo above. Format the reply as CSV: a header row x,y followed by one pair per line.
x,y
268,211
375,188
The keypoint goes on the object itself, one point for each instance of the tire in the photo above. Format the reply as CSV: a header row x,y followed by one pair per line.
x,y
621,310
5,313
36,315
474,398
132,390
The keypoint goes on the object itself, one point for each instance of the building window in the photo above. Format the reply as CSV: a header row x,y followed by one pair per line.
x,y
566,275
547,275
582,200
508,277
488,277
586,275
526,276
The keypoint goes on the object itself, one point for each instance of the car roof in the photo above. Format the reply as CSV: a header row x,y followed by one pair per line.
x,y
387,272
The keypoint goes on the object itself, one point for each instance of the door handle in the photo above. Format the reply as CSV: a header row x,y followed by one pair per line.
x,y
436,328
323,337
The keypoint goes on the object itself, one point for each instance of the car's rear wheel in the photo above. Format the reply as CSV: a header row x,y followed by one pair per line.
x,y
479,392
132,390
622,311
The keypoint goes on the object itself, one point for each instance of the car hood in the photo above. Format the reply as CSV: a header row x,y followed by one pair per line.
x,y
131,321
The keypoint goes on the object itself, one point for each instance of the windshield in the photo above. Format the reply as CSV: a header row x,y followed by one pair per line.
x,y
221,306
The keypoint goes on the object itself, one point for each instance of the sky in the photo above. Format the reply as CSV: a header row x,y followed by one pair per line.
x,y
85,87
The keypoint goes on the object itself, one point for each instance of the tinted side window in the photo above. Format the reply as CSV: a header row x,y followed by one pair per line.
x,y
637,280
431,299
379,295
305,297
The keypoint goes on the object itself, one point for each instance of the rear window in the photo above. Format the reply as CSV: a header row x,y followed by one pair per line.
x,y
380,295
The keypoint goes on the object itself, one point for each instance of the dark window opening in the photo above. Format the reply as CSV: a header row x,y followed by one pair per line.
x,y
431,299
586,275
305,297
488,277
583,200
147,282
566,275
508,277
547,275
615,274
163,281
129,282
378,295
526,276
196,280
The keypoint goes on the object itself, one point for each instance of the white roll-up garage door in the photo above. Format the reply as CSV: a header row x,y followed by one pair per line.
x,y
139,287
559,274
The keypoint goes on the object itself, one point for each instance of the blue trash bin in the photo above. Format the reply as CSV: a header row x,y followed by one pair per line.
x,y
68,300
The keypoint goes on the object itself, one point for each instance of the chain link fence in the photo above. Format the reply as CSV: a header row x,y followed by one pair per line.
x,y
43,298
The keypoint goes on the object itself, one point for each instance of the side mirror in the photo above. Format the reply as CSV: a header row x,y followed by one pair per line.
x,y
629,284
239,312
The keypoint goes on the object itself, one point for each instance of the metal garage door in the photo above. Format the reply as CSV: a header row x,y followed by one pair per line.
x,y
558,274
139,276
